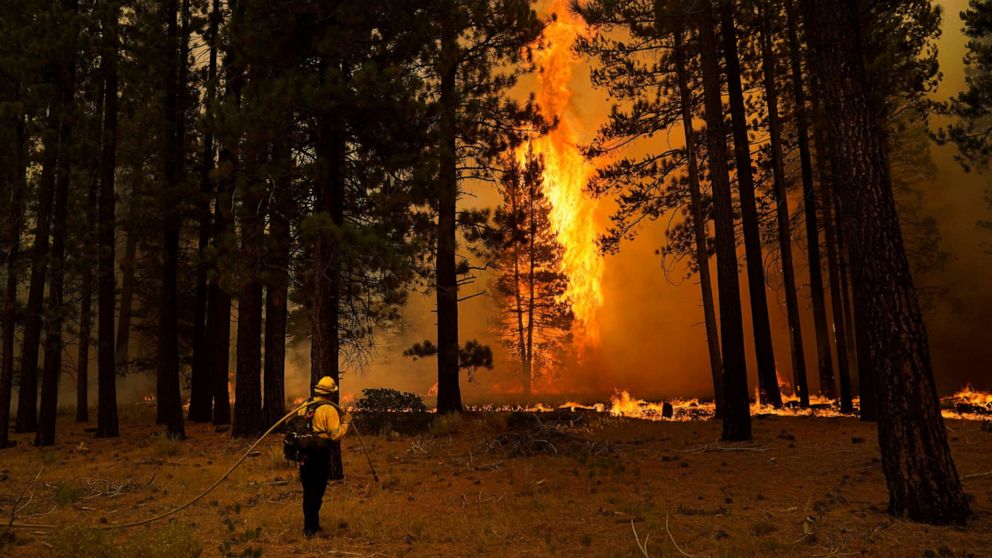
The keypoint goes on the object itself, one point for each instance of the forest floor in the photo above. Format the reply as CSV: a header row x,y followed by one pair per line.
x,y
492,485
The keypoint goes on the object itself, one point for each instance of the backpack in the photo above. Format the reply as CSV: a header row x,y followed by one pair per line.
x,y
300,436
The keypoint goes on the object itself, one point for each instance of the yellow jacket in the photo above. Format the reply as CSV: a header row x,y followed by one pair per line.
x,y
327,422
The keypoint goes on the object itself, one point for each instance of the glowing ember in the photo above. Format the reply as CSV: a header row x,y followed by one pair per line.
x,y
566,172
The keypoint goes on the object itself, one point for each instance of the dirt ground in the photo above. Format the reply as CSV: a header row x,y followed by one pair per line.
x,y
488,485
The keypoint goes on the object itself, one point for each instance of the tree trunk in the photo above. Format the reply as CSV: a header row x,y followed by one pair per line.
x,y
248,419
53,335
277,289
737,408
12,240
218,300
27,397
699,223
201,388
767,379
531,299
325,340
830,220
128,269
106,421
86,296
525,372
823,355
449,398
169,399
781,197
922,479
828,385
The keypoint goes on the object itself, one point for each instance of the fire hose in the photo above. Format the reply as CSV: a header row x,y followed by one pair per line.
x,y
14,524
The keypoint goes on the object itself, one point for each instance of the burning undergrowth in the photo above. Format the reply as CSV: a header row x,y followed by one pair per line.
x,y
966,404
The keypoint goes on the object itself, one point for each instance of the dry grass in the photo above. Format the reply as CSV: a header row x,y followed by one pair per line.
x,y
451,492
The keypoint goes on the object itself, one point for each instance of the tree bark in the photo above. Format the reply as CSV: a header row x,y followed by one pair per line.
x,y
128,269
86,293
699,223
737,408
277,290
169,395
12,240
201,388
767,378
824,358
27,397
107,365
325,339
781,197
830,220
218,299
52,371
922,479
449,399
825,177
248,419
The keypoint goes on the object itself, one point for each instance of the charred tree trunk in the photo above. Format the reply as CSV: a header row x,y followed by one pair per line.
x,y
824,358
12,242
922,479
449,398
781,197
767,379
201,388
737,408
170,410
53,335
106,421
699,224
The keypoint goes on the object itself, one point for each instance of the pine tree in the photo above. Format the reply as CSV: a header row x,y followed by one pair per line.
x,y
661,181
922,480
535,318
475,55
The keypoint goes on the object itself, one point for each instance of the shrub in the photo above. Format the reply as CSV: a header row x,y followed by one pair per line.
x,y
383,410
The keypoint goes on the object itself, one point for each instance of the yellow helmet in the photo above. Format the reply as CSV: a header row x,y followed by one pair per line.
x,y
326,385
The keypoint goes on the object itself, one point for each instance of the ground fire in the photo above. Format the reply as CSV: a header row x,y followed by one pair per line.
x,y
495,278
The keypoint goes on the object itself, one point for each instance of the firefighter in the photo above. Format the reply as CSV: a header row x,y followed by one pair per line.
x,y
328,426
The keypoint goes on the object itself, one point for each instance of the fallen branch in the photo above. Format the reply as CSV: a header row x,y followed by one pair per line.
x,y
976,475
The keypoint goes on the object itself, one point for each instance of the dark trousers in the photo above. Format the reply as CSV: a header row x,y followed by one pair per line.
x,y
314,472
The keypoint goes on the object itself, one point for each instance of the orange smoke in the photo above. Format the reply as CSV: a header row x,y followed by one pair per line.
x,y
566,172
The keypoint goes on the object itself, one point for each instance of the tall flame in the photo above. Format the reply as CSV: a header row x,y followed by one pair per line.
x,y
566,172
